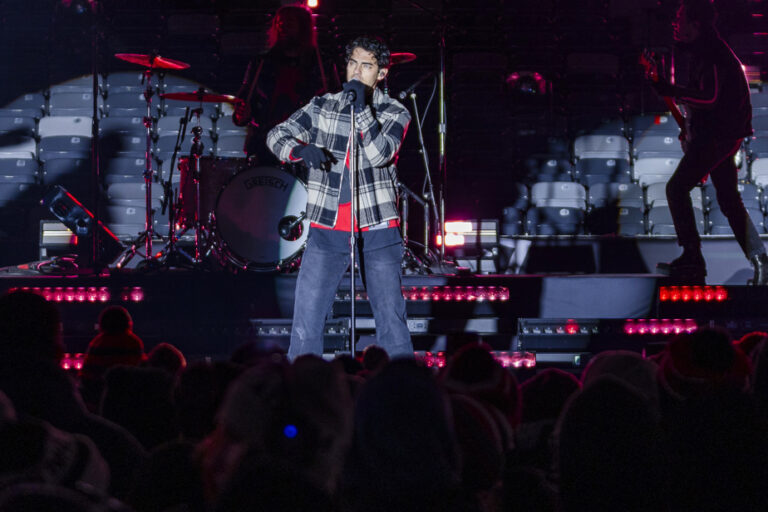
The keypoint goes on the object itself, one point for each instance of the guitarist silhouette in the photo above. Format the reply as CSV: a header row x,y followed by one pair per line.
x,y
283,79
719,116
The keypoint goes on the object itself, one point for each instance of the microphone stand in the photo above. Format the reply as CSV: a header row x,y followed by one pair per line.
x,y
430,196
441,130
96,36
352,146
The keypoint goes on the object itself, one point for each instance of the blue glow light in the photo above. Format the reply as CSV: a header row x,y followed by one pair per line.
x,y
290,431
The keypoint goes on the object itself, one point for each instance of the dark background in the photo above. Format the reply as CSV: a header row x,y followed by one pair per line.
x,y
585,52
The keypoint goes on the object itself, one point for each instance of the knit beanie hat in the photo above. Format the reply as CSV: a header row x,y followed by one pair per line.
x,y
698,363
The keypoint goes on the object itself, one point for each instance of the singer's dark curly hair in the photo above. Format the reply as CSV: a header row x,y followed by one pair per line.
x,y
371,44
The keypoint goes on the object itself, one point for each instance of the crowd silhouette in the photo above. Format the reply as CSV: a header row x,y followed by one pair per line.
x,y
682,430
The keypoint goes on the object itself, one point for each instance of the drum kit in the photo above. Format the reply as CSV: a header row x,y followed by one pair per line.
x,y
243,217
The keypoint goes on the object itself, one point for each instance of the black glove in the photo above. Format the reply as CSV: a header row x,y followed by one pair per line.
x,y
355,89
663,88
313,156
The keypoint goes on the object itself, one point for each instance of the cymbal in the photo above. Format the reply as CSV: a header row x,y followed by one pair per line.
x,y
200,96
149,61
401,58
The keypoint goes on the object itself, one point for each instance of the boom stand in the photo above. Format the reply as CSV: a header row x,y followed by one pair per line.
x,y
429,196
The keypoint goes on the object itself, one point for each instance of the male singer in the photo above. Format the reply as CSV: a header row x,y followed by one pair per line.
x,y
319,135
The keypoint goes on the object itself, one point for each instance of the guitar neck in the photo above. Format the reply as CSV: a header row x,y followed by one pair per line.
x,y
675,111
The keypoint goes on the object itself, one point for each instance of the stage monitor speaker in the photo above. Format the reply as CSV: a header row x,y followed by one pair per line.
x,y
82,223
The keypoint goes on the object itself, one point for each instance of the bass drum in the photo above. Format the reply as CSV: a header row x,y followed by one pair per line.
x,y
259,219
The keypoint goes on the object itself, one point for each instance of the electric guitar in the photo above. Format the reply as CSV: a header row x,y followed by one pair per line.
x,y
648,61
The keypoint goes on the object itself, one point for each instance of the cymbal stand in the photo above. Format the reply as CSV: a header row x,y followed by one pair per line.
x,y
148,234
195,154
149,230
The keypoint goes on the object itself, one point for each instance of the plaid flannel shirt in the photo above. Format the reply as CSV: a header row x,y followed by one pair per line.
x,y
325,122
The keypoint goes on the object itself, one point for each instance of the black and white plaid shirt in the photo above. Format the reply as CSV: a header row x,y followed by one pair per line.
x,y
325,122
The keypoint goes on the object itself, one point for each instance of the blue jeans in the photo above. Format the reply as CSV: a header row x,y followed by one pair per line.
x,y
319,276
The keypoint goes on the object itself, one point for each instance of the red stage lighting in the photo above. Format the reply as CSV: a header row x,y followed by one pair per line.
x,y
693,294
72,361
659,326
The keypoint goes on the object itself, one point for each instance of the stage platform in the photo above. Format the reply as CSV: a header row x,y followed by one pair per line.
x,y
209,314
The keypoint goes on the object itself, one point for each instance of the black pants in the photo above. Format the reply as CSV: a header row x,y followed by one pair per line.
x,y
715,158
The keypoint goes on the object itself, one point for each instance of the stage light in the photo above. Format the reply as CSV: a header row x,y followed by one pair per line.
x,y
72,361
436,360
693,294
655,326
445,293
71,294
135,294
474,234
451,240
313,4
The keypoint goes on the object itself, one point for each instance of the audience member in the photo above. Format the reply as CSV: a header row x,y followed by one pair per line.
x,y
695,364
375,359
116,344
31,377
198,395
170,480
543,398
299,414
404,455
610,450
475,372
141,400
42,497
166,357
34,451
716,453
750,341
629,367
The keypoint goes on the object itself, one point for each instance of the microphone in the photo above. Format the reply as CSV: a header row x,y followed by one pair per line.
x,y
290,227
413,87
351,94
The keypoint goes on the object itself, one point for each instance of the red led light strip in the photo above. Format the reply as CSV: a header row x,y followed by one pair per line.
x,y
446,294
83,294
693,294
72,361
506,359
659,326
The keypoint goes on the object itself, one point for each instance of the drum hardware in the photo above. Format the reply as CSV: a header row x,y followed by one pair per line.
x,y
150,62
200,96
195,154
410,260
172,255
190,212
